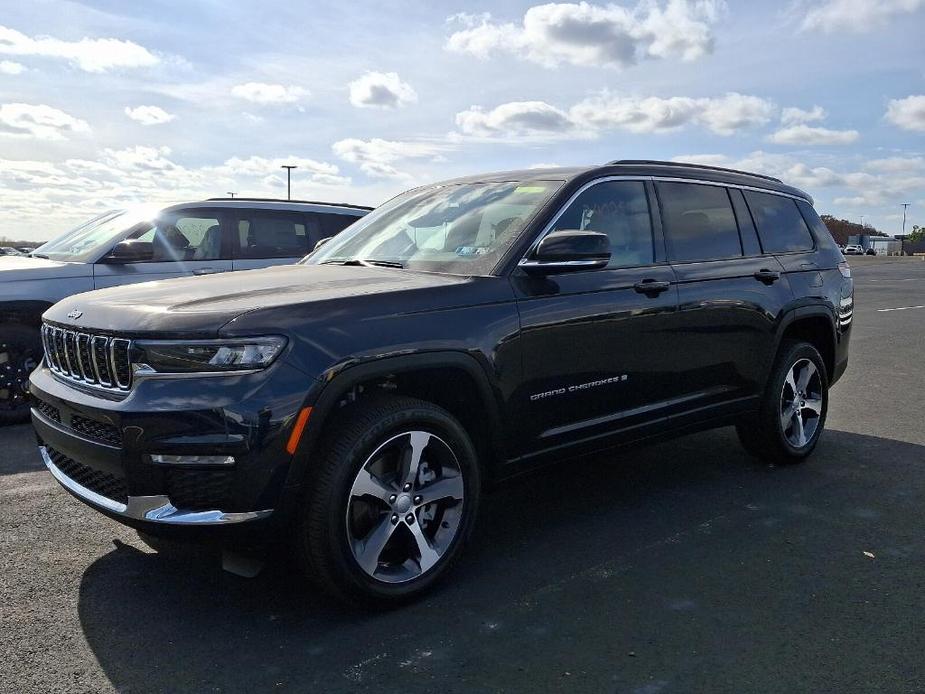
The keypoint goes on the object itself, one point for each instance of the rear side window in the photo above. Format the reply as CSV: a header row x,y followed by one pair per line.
x,y
699,222
334,223
264,234
780,225
619,209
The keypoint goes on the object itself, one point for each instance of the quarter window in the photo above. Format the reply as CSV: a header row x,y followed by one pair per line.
x,y
780,225
699,222
619,209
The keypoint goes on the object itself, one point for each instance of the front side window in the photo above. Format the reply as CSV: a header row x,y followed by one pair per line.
x,y
182,235
276,235
780,225
619,209
699,222
457,229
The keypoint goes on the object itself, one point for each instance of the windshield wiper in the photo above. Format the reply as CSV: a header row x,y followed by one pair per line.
x,y
365,263
39,255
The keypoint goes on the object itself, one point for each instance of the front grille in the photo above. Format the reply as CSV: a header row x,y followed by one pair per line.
x,y
50,411
98,360
98,431
199,490
103,483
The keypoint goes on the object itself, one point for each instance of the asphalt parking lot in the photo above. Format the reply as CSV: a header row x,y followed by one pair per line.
x,y
681,567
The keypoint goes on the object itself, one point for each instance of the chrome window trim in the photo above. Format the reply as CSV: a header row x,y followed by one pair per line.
x,y
654,179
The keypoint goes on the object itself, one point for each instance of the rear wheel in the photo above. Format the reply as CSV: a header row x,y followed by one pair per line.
x,y
793,411
393,502
20,353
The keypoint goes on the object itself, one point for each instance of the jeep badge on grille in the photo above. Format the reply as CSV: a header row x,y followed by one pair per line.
x,y
75,314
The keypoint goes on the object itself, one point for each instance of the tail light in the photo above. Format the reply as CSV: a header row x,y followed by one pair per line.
x,y
844,269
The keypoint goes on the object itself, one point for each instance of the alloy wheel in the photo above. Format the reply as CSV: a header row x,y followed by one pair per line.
x,y
801,403
405,507
15,366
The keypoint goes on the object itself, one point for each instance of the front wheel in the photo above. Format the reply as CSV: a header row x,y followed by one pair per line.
x,y
392,502
793,411
20,353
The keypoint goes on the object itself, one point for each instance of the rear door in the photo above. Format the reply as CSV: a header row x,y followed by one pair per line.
x,y
730,296
182,243
598,349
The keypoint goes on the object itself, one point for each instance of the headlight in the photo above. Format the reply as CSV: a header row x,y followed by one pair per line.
x,y
192,356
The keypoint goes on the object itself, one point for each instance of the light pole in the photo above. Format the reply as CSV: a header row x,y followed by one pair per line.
x,y
902,243
289,168
229,193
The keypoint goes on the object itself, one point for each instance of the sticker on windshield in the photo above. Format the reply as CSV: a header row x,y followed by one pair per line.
x,y
471,250
529,189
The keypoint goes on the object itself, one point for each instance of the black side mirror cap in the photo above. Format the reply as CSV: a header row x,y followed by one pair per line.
x,y
569,251
130,251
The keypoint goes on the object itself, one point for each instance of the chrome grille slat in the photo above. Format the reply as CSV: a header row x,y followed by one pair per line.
x,y
97,360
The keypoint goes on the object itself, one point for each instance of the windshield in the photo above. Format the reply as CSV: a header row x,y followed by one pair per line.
x,y
458,229
83,242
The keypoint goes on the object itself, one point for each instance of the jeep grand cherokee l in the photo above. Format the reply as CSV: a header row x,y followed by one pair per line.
x,y
146,243
357,403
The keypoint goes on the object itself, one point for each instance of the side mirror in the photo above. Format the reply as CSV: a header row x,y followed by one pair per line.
x,y
569,251
130,251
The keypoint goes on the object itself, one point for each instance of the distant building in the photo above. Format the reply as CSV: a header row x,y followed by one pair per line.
x,y
882,245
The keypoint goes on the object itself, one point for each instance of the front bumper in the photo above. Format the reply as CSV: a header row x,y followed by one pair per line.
x,y
99,449
156,508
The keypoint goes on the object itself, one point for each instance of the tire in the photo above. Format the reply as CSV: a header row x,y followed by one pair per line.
x,y
360,509
774,434
20,353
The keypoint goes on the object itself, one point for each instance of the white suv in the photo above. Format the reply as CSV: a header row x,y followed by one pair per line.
x,y
142,244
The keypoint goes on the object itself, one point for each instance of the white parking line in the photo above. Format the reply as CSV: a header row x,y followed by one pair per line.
x,y
901,308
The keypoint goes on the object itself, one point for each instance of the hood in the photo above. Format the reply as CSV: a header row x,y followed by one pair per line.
x,y
202,305
13,268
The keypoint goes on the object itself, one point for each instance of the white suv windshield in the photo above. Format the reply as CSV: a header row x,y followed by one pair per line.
x,y
458,229
85,241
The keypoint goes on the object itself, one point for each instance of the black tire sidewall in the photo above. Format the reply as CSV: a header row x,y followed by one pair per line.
x,y
794,353
417,415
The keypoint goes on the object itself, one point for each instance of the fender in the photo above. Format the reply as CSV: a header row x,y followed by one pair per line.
x,y
799,312
339,380
28,312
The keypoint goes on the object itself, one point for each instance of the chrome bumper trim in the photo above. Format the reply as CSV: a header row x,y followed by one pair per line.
x,y
156,509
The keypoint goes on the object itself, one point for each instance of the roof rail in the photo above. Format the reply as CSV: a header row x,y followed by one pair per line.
x,y
646,162
303,202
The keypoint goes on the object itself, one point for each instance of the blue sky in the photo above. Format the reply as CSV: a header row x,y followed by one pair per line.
x,y
108,103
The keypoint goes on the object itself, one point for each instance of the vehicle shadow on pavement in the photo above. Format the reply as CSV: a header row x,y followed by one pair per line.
x,y
686,563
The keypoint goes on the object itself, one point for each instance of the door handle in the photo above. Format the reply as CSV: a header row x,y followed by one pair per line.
x,y
651,287
767,276
206,271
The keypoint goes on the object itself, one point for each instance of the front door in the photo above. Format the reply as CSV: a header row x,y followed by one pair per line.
x,y
180,243
597,344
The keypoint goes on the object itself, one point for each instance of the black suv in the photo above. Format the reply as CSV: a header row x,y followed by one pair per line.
x,y
357,403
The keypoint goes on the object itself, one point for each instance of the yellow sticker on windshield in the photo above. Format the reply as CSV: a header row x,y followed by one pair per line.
x,y
529,189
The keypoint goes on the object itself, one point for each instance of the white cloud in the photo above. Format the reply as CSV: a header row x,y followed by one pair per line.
x,y
808,135
722,115
594,35
8,67
39,121
896,164
316,172
793,115
376,157
908,113
855,15
512,118
263,93
381,90
90,55
149,115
